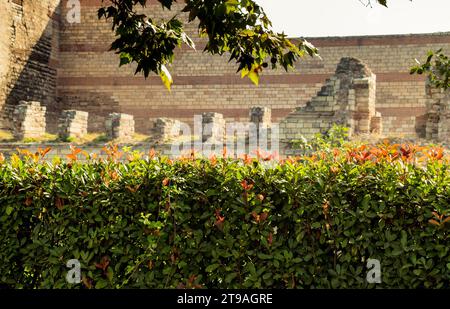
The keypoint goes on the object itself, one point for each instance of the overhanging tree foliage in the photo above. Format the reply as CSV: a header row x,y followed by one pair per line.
x,y
239,28
437,67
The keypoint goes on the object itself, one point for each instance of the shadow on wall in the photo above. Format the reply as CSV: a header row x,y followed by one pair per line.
x,y
94,101
32,72
98,105
421,124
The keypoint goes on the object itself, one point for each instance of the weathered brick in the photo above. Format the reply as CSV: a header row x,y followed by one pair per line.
x,y
120,126
29,120
89,78
72,123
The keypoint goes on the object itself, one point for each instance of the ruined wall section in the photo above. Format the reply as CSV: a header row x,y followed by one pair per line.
x,y
90,79
438,114
83,75
29,55
348,99
6,34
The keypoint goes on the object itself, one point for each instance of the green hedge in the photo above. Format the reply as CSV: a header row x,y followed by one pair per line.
x,y
221,223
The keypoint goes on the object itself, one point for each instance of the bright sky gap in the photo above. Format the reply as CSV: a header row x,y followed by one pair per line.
x,y
321,18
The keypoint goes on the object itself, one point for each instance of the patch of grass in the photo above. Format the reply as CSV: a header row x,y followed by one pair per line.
x,y
97,138
47,137
6,136
69,139
90,138
368,139
140,138
137,138
180,139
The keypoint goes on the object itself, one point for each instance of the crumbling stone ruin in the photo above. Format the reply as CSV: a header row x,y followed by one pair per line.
x,y
261,115
347,98
72,124
120,126
166,128
28,120
213,125
43,57
438,114
261,119
28,57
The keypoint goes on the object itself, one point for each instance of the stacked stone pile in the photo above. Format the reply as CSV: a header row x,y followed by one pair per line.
x,y
213,125
166,128
438,114
29,120
72,123
120,126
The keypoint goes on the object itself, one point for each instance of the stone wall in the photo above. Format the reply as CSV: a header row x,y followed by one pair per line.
x,y
28,120
29,47
348,98
72,124
5,34
91,80
83,75
438,116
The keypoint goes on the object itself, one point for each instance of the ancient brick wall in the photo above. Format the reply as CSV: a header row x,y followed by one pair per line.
x,y
438,116
81,74
28,55
89,78
4,45
6,32
348,98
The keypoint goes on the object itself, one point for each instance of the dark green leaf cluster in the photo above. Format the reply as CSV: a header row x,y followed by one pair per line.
x,y
437,67
140,39
239,28
336,137
220,223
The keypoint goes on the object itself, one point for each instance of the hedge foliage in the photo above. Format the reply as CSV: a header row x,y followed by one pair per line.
x,y
306,222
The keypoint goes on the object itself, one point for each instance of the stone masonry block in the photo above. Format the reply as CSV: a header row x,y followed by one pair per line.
x,y
29,120
213,127
72,123
120,126
166,128
260,115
